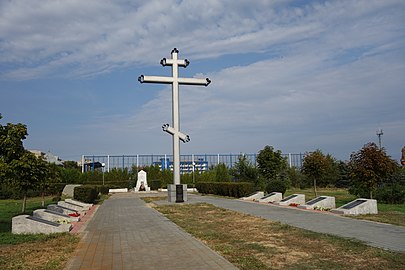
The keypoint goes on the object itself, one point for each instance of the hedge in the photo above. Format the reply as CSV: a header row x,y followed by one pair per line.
x,y
87,194
231,189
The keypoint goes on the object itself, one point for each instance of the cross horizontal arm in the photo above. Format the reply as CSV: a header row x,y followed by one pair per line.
x,y
194,81
170,62
155,79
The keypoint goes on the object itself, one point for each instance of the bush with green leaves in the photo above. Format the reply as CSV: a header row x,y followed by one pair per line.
x,y
87,194
231,189
391,194
277,185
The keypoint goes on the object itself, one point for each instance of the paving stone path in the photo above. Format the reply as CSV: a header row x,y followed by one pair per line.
x,y
127,234
376,234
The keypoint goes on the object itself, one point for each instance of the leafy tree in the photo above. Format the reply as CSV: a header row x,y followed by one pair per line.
x,y
319,167
369,167
11,137
27,172
11,147
295,176
70,164
271,163
222,173
52,176
244,171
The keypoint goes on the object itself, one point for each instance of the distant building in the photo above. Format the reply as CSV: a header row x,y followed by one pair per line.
x,y
48,157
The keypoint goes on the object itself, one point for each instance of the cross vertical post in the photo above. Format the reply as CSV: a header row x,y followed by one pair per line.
x,y
175,81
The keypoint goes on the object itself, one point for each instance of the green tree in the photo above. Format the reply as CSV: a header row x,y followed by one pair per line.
x,y
368,168
319,167
52,176
244,171
11,146
271,163
70,164
222,173
27,172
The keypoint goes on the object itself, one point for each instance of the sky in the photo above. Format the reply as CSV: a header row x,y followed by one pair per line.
x,y
295,75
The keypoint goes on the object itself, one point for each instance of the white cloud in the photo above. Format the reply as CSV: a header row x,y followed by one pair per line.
x,y
329,70
39,38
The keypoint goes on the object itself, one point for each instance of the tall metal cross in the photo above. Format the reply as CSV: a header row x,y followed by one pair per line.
x,y
175,80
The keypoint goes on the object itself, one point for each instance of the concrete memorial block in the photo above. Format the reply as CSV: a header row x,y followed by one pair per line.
x,y
76,207
61,209
85,205
271,197
254,196
321,203
24,224
117,190
295,199
358,207
68,190
142,183
177,193
54,216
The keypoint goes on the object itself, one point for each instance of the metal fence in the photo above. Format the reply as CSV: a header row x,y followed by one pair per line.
x,y
128,161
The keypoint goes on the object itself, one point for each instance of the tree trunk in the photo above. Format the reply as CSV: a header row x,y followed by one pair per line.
x,y
371,194
24,203
316,194
43,199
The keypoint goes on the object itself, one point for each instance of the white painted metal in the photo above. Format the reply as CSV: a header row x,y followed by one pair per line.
x,y
175,81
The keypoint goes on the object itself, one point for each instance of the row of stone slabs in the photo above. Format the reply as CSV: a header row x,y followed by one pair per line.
x,y
357,207
55,219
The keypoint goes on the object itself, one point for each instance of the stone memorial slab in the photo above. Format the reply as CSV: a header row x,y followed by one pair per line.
x,y
76,207
85,205
54,216
25,224
295,199
358,207
118,190
61,209
142,182
68,190
322,202
271,197
254,196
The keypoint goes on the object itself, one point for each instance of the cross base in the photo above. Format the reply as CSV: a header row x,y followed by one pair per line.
x,y
177,193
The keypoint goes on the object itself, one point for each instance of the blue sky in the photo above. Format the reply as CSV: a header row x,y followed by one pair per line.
x,y
297,75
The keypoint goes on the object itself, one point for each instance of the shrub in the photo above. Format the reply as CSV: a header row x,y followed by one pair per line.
x,y
87,194
231,189
154,184
392,194
277,185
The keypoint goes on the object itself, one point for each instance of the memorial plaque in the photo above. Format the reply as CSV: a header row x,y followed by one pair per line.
x,y
314,201
353,204
288,198
268,195
44,221
179,193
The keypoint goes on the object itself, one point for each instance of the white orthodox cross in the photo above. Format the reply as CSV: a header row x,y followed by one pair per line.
x,y
175,81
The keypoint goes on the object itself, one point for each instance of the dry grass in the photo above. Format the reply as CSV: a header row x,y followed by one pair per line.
x,y
254,243
52,253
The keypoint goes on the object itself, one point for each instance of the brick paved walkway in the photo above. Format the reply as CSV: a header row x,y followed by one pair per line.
x,y
126,234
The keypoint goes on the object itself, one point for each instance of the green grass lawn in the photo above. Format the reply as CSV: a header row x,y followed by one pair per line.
x,y
11,208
